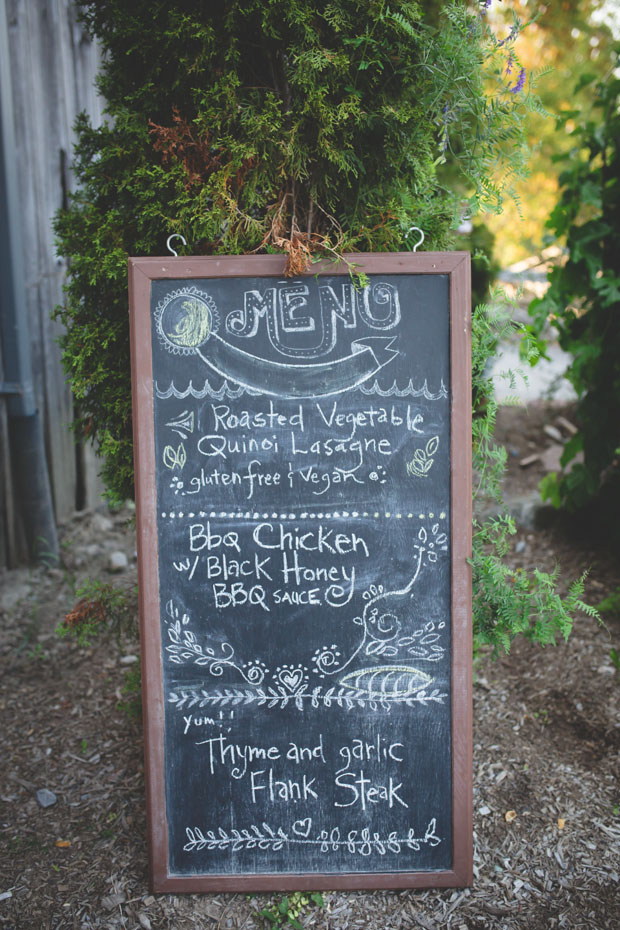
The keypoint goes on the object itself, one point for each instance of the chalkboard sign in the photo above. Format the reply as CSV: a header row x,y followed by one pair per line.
x,y
304,520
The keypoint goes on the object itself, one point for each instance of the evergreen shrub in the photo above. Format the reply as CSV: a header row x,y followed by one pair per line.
x,y
308,127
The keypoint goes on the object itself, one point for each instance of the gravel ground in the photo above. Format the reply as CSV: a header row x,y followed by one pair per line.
x,y
546,758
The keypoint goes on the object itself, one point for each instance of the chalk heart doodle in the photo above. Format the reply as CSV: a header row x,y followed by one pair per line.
x,y
303,827
291,678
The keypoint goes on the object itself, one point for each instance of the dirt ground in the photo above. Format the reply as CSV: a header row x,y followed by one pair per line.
x,y
546,755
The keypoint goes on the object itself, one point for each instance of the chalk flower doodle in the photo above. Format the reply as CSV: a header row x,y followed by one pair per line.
x,y
264,837
185,319
422,461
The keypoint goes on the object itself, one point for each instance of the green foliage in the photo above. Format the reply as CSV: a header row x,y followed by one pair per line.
x,y
102,609
310,129
507,602
132,693
583,299
611,605
565,41
484,266
288,909
291,125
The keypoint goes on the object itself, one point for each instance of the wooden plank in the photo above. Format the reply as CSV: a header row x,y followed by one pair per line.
x,y
54,64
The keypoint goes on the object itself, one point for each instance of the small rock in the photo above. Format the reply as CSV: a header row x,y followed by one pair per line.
x,y
551,458
102,524
128,660
113,900
570,428
529,460
92,550
6,895
484,810
144,922
525,509
13,594
553,433
117,562
521,546
45,797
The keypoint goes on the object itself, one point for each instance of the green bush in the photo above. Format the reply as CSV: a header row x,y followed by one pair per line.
x,y
308,127
506,603
583,299
299,126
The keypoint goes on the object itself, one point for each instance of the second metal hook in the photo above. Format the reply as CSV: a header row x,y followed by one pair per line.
x,y
169,240
420,241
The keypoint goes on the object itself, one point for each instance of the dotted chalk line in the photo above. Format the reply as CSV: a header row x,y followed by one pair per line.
x,y
335,515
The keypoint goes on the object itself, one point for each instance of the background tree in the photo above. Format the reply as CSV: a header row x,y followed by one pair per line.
x,y
583,299
565,42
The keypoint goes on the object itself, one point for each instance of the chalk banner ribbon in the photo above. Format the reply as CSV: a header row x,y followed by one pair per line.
x,y
280,379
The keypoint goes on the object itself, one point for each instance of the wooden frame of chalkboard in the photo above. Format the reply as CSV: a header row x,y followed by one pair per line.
x,y
395,709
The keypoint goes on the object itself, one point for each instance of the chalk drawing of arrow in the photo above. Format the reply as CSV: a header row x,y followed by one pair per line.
x,y
286,379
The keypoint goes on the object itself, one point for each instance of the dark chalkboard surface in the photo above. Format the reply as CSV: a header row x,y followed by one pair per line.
x,y
304,511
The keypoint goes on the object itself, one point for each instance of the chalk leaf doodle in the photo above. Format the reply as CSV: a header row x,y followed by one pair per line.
x,y
387,680
184,645
270,697
422,461
175,458
363,842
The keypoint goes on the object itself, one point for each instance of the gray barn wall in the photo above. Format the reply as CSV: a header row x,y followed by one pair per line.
x,y
53,66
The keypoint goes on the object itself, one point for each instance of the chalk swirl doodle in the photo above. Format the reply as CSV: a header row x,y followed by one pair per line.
x,y
387,615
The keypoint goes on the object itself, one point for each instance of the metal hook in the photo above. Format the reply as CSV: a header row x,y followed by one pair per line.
x,y
169,240
420,241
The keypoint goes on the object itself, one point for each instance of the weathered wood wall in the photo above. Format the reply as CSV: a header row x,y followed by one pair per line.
x,y
53,65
